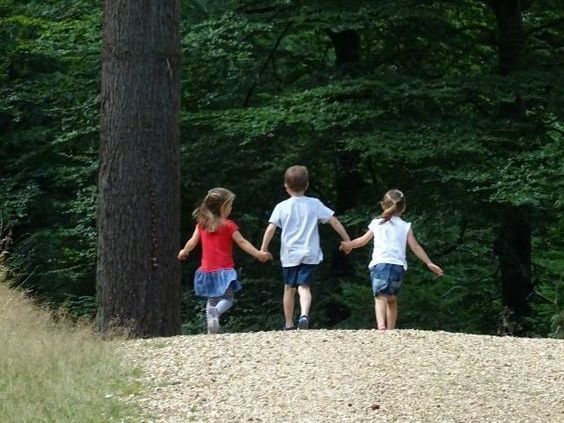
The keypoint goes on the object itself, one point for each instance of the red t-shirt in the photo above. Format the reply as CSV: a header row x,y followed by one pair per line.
x,y
217,247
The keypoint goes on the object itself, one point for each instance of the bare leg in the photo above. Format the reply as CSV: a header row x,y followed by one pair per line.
x,y
380,309
391,311
305,299
288,302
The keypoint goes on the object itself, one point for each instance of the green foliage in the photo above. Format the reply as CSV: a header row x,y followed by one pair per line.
x,y
423,109
548,297
49,121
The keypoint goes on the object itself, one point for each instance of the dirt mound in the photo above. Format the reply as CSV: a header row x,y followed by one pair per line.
x,y
350,376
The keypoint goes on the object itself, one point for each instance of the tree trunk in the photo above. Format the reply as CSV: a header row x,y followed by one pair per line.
x,y
514,251
513,243
347,48
349,180
138,277
511,42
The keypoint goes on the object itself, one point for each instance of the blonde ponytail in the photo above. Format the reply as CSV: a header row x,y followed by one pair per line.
x,y
208,214
392,204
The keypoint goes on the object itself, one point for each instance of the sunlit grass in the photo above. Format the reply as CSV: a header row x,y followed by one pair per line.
x,y
57,371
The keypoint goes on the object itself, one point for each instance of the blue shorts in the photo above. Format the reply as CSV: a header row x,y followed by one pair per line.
x,y
301,274
386,278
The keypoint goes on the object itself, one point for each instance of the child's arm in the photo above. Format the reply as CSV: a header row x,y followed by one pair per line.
x,y
267,237
421,254
359,242
247,247
339,228
190,245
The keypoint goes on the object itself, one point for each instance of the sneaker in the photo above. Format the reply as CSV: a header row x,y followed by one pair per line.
x,y
213,321
303,323
288,328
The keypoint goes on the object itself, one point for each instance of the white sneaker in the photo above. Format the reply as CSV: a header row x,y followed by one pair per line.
x,y
213,321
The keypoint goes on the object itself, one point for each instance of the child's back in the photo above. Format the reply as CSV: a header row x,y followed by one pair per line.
x,y
300,251
298,217
216,278
390,240
391,235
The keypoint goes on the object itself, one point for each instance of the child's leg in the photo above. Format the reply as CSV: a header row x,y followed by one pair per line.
x,y
225,303
304,292
215,307
380,310
288,302
211,315
391,311
210,306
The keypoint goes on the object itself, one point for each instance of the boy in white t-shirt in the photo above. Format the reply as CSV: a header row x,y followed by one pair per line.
x,y
300,252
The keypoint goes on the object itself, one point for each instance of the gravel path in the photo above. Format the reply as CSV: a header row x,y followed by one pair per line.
x,y
350,376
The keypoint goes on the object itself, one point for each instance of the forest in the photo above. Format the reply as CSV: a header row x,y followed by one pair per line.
x,y
457,103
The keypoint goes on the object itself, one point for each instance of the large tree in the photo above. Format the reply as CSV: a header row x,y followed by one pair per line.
x,y
513,245
138,277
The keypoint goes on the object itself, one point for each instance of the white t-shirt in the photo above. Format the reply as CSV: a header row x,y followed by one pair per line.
x,y
298,217
390,241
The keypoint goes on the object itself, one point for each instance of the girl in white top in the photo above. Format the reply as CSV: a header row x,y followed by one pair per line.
x,y
387,267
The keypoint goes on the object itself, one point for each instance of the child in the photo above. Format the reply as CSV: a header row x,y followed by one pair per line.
x,y
300,252
216,278
388,265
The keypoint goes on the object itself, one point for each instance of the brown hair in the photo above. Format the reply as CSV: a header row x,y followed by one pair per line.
x,y
209,212
393,203
297,178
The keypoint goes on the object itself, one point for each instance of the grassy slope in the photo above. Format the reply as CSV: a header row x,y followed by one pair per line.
x,y
56,371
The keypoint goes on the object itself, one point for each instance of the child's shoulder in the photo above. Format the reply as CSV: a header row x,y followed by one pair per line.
x,y
315,204
230,225
375,221
313,200
402,220
304,199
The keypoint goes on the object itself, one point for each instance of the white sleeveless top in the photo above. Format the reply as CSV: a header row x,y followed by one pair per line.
x,y
390,241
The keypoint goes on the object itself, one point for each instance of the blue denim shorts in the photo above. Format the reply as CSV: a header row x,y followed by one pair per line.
x,y
301,274
386,278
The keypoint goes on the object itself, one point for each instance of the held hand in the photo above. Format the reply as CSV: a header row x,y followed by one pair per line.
x,y
182,255
346,247
264,256
435,269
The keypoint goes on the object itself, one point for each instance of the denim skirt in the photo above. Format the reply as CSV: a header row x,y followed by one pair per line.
x,y
386,278
215,283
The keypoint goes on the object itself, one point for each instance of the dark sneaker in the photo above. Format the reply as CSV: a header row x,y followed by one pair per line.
x,y
303,323
288,328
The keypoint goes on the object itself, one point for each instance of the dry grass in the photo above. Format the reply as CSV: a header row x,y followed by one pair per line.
x,y
56,371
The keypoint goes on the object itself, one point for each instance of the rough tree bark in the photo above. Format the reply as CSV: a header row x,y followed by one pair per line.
x,y
138,277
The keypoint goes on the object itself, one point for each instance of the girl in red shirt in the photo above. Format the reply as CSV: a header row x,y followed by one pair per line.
x,y
216,278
